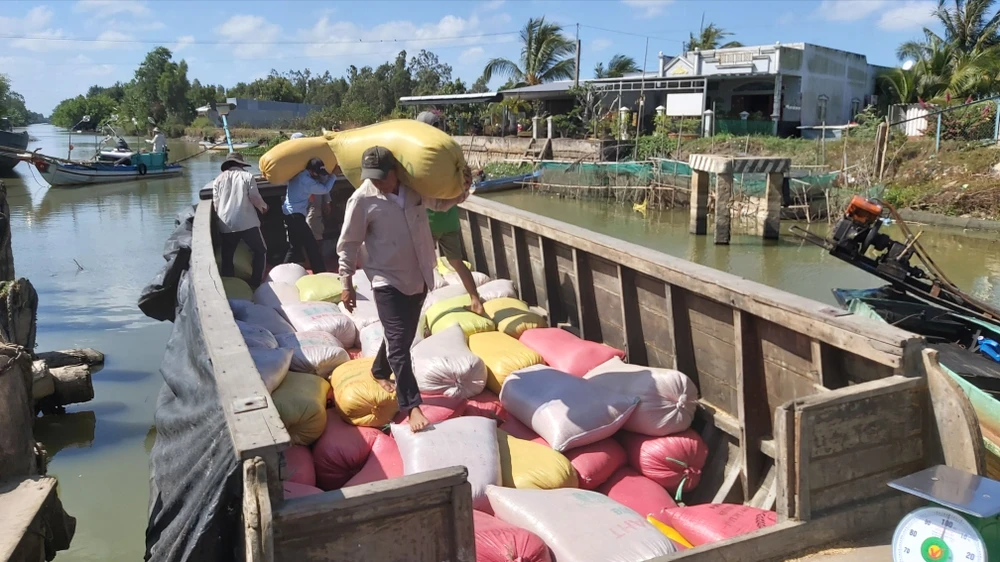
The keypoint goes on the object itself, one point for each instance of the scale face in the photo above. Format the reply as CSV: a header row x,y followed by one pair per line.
x,y
936,534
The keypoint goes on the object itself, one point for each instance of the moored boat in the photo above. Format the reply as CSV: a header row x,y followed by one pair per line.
x,y
131,167
11,141
223,147
504,183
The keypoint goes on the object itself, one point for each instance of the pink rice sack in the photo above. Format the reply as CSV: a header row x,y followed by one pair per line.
x,y
566,352
713,522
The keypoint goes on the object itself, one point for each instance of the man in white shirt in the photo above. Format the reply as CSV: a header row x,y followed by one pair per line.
x,y
391,221
159,141
236,201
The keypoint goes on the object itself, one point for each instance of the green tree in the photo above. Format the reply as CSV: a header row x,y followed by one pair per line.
x,y
968,24
710,37
618,66
381,88
480,86
274,87
70,111
546,55
429,74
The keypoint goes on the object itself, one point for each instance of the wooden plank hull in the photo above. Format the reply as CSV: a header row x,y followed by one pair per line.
x,y
60,175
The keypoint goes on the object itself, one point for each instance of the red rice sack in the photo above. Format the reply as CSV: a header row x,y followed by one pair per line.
x,y
314,352
565,410
672,461
383,463
286,273
443,364
296,490
299,465
256,337
321,317
469,442
497,541
595,463
566,352
580,525
708,523
436,408
486,404
341,451
667,398
631,489
276,295
258,315
354,353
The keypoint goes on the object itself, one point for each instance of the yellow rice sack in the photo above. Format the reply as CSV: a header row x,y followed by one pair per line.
x,y
448,312
301,404
669,531
237,288
242,261
502,355
430,161
358,398
444,267
525,464
512,316
287,159
325,287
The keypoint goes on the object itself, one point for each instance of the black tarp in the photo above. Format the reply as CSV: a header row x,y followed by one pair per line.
x,y
195,481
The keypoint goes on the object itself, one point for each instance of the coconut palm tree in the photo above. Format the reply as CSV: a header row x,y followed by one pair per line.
x,y
546,55
618,66
968,24
710,37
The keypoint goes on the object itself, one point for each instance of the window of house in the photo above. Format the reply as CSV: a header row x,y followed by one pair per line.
x,y
855,107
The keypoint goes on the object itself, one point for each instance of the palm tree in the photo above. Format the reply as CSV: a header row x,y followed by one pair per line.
x,y
710,37
618,66
546,55
968,25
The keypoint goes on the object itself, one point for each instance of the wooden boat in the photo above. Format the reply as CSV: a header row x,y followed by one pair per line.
x,y
10,142
134,167
223,147
954,336
505,183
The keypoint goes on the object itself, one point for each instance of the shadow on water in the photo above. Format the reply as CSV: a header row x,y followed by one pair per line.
x,y
122,376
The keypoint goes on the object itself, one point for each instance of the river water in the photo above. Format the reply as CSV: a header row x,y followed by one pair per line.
x,y
116,234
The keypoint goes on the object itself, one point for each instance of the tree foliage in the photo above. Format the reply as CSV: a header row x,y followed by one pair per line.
x,y
546,55
710,37
12,106
618,66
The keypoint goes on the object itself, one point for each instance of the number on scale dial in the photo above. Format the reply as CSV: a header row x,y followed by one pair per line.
x,y
935,534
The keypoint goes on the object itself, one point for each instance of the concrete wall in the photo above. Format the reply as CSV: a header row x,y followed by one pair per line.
x,y
841,76
254,113
480,151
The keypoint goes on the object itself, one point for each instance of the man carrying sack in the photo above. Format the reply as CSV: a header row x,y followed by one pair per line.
x,y
314,180
390,219
236,201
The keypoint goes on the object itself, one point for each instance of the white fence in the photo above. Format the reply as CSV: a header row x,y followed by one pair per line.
x,y
913,117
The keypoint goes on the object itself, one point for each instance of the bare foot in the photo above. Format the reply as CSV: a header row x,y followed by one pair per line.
x,y
387,386
418,421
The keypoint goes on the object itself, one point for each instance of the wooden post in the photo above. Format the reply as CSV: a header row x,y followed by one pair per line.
x,y
699,202
17,442
6,253
723,202
769,217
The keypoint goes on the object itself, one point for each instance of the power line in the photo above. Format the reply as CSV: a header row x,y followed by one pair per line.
x,y
642,35
237,43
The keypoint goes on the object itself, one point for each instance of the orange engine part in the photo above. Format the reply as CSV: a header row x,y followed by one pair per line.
x,y
863,211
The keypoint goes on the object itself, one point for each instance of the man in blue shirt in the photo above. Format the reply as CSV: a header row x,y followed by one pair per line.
x,y
314,180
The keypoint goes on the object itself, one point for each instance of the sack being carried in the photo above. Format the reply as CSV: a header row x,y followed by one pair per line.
x,y
430,161
289,158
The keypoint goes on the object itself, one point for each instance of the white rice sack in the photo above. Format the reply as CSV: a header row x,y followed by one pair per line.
x,y
497,289
362,284
468,441
263,316
286,273
371,339
276,295
667,398
272,364
480,279
321,317
444,293
565,410
439,281
256,337
314,352
422,332
443,364
580,525
365,313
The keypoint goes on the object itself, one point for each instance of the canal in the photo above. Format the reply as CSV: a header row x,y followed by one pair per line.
x,y
89,252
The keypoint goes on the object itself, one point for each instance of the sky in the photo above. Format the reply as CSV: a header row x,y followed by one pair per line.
x,y
58,48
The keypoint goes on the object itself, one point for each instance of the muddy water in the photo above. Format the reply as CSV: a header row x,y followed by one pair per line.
x,y
971,260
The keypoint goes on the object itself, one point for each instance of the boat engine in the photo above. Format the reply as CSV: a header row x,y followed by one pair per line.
x,y
857,231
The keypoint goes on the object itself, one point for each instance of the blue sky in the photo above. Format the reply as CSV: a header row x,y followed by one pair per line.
x,y
56,49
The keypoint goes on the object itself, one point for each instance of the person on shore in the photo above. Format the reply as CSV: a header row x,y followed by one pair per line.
x,y
159,140
390,220
236,201
445,230
314,180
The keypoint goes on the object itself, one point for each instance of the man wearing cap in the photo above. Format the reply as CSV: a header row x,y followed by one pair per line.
x,y
314,180
445,230
236,201
390,219
159,141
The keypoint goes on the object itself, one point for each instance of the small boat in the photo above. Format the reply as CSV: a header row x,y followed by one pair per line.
x,y
136,166
12,142
222,147
504,183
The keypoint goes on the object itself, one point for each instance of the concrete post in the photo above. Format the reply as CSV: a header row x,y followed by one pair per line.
x,y
708,123
534,127
548,123
699,202
723,202
623,123
769,215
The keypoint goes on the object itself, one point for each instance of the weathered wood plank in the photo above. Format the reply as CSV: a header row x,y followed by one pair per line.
x,y
464,535
500,267
488,248
784,440
866,423
955,435
465,221
586,305
550,274
631,318
710,317
253,547
787,348
754,416
32,516
17,442
65,358
784,385
860,489
525,275
836,470
803,458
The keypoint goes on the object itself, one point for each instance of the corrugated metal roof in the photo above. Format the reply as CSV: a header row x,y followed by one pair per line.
x,y
452,99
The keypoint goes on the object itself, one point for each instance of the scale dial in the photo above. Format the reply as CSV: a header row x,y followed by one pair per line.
x,y
936,534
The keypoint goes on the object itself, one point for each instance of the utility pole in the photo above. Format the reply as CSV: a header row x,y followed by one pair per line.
x,y
576,72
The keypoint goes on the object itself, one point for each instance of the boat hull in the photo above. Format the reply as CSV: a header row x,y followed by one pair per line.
x,y
14,141
504,184
62,175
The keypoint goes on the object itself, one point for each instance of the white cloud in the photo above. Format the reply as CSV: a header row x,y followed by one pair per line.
x,y
343,38
492,5
908,15
106,8
649,7
183,42
238,28
471,55
848,10
600,44
35,26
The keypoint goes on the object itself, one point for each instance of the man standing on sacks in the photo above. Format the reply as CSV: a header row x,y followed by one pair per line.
x,y
390,219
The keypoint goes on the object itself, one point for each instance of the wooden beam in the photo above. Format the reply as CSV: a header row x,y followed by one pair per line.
x,y
478,253
784,461
17,414
586,305
522,267
550,269
635,341
699,202
751,385
499,252
87,356
803,432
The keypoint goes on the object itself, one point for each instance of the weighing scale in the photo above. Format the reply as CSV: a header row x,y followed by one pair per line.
x,y
963,526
